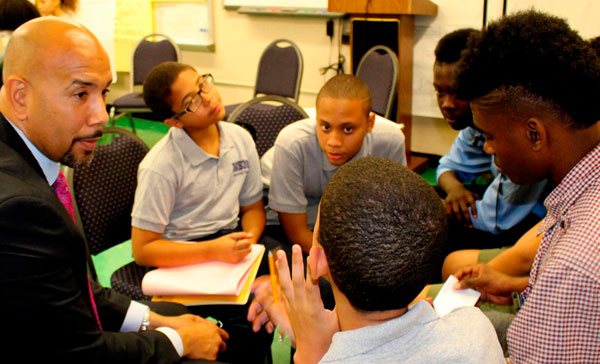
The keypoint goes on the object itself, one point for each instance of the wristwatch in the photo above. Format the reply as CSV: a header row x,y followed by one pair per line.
x,y
145,320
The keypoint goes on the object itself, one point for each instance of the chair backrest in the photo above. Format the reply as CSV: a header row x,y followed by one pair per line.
x,y
379,69
280,70
150,51
104,190
267,119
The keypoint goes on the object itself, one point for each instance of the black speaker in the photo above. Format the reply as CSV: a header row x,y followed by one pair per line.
x,y
367,33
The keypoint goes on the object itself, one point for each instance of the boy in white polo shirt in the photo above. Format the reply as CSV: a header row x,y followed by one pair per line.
x,y
308,152
197,179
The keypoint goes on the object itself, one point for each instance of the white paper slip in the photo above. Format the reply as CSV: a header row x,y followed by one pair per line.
x,y
449,299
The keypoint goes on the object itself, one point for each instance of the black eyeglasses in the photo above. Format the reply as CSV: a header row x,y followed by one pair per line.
x,y
205,86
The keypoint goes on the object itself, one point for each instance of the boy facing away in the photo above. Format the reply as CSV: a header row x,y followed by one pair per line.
x,y
380,231
197,179
505,210
308,152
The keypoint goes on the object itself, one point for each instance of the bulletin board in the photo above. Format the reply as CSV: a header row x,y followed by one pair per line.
x,y
188,22
133,22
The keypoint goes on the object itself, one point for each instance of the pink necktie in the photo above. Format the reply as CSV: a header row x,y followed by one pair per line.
x,y
61,188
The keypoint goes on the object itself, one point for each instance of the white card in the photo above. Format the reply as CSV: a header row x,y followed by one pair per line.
x,y
449,299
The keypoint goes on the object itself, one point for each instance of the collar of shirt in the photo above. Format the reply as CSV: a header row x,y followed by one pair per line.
x,y
558,202
571,187
349,343
189,148
49,167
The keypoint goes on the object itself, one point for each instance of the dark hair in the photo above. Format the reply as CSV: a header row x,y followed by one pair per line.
x,y
157,87
452,44
347,87
595,45
536,62
382,228
13,13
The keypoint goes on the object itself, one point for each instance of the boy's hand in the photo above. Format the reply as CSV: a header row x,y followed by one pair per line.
x,y
495,287
313,325
263,311
231,248
457,204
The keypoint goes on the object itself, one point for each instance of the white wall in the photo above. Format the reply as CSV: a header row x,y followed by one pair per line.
x,y
240,40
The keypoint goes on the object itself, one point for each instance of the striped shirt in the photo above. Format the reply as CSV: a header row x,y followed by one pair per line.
x,y
560,319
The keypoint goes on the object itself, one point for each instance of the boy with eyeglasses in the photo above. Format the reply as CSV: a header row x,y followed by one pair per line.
x,y
201,183
197,180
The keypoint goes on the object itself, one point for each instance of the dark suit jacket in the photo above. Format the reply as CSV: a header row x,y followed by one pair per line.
x,y
44,300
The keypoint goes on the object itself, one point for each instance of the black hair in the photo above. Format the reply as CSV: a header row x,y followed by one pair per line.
x,y
595,45
451,45
157,87
536,62
347,87
13,13
382,228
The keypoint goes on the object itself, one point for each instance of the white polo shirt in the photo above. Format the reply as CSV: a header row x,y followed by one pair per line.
x,y
185,193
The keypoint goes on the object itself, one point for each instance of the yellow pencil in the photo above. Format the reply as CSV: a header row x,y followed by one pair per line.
x,y
274,278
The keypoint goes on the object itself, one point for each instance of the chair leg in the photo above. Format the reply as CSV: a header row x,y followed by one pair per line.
x,y
111,116
132,123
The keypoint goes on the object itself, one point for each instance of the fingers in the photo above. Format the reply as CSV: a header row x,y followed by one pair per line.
x,y
285,280
238,235
254,309
298,280
242,245
471,200
224,335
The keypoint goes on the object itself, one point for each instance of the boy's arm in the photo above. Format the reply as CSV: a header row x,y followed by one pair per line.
x,y
150,249
517,260
296,229
253,219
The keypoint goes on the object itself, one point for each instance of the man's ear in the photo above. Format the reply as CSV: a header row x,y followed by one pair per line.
x,y
536,134
174,122
16,90
370,121
317,263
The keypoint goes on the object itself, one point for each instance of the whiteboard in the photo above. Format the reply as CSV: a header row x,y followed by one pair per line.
x,y
307,4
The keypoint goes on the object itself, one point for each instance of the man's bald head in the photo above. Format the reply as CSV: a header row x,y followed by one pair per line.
x,y
34,45
56,76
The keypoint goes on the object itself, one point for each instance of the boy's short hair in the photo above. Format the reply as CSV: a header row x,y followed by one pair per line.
x,y
451,45
347,87
382,228
536,62
157,87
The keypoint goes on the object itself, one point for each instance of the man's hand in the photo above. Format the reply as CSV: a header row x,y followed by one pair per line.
x,y
495,287
203,340
457,204
264,312
313,326
231,248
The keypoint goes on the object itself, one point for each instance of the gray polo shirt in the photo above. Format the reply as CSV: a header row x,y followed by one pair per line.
x,y
185,193
301,170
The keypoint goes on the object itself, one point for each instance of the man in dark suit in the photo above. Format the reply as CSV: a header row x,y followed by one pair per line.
x,y
52,105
